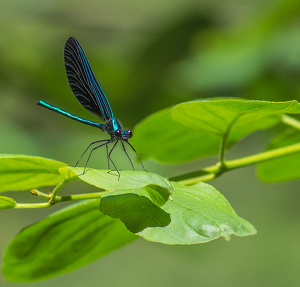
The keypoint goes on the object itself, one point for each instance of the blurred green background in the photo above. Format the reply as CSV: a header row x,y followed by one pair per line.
x,y
148,55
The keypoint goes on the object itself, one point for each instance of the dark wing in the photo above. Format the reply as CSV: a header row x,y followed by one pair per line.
x,y
83,81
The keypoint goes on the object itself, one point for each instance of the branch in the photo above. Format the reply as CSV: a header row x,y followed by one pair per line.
x,y
291,121
211,172
52,201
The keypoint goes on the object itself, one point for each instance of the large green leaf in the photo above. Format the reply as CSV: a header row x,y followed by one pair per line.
x,y
283,168
196,214
6,202
240,116
197,127
65,240
157,187
199,213
165,140
19,172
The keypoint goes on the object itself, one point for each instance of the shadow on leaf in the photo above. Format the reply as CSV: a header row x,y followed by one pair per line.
x,y
136,212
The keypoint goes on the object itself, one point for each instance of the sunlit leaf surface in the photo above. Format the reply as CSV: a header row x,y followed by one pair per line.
x,y
199,213
241,116
157,187
19,172
194,214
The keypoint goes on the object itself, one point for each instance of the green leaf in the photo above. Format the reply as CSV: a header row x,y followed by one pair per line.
x,y
241,116
199,213
135,210
67,173
284,168
157,187
64,241
6,202
19,172
195,128
165,140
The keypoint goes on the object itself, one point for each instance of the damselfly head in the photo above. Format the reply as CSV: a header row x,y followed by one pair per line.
x,y
123,135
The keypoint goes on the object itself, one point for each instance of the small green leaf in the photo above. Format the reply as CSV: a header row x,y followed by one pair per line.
x,y
199,213
64,241
19,172
158,188
6,202
286,167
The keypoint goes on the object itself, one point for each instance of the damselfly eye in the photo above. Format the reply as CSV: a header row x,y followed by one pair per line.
x,y
118,133
129,134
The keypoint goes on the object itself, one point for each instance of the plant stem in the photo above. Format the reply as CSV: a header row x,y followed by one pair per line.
x,y
74,197
57,199
57,188
291,121
214,171
32,205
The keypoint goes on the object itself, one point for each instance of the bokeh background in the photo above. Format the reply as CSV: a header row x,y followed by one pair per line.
x,y
148,55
